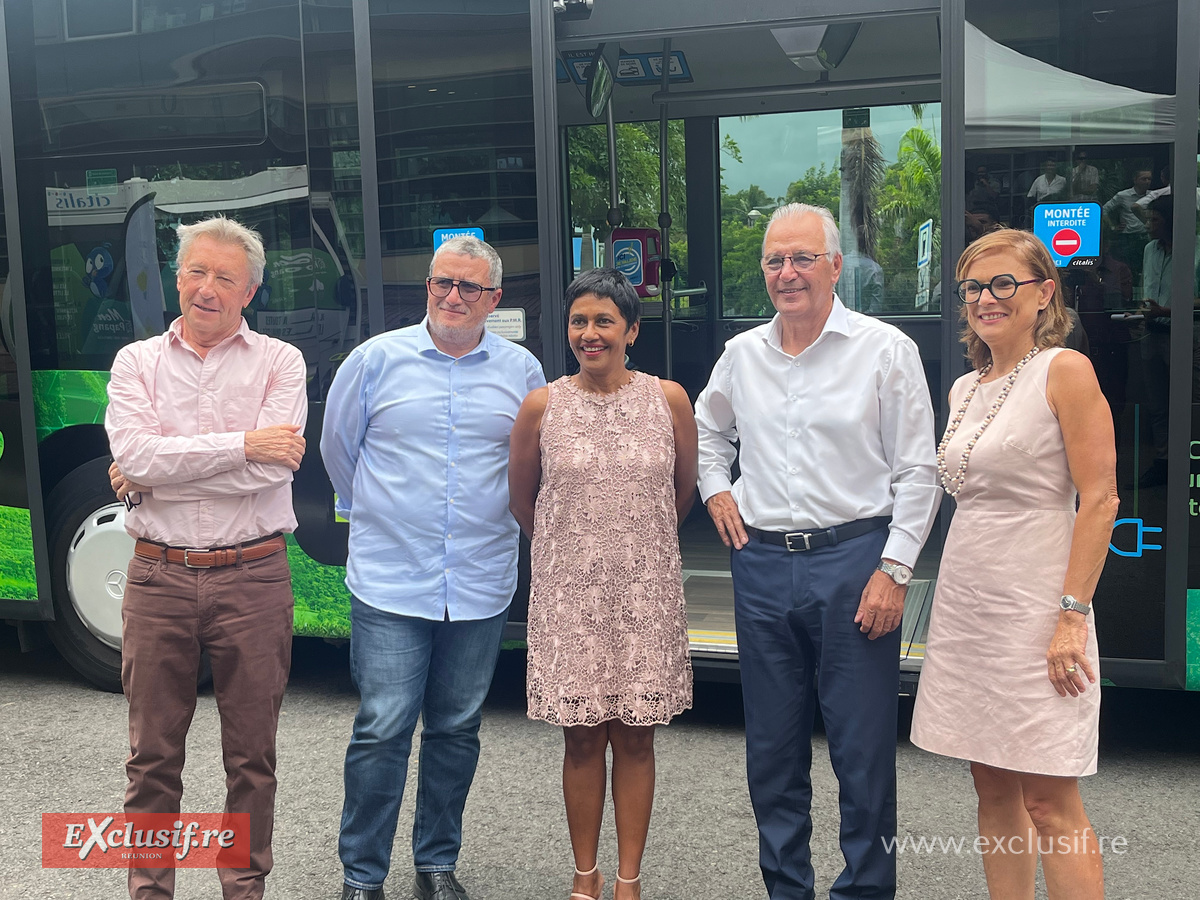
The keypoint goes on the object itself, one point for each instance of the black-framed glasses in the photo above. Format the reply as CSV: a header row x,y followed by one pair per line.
x,y
801,262
469,291
1002,287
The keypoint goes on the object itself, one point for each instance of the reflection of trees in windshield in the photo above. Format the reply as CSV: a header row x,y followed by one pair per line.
x,y
909,194
637,182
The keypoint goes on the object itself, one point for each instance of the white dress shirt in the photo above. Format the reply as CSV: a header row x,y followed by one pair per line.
x,y
1044,187
1123,203
842,431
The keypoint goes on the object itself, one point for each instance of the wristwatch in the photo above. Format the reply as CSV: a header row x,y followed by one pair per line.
x,y
899,573
1069,602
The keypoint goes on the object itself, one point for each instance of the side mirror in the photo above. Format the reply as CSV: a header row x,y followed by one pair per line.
x,y
599,84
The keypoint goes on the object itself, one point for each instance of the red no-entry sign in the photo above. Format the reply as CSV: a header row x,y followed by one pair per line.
x,y
1066,242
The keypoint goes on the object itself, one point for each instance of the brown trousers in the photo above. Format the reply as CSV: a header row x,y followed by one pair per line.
x,y
242,615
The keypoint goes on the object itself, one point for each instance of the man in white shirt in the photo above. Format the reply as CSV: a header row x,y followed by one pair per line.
x,y
1085,179
1047,186
1123,206
836,496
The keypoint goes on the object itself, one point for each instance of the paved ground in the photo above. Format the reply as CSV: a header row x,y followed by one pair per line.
x,y
64,745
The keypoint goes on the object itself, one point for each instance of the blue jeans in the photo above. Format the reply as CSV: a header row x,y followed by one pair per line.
x,y
403,666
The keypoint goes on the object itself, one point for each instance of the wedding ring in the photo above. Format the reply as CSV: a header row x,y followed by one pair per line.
x,y
1070,668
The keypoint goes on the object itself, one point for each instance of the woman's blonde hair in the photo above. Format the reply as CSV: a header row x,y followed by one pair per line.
x,y
1053,323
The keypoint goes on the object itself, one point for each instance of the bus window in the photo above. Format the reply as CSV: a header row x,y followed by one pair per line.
x,y
456,150
878,169
1091,132
17,578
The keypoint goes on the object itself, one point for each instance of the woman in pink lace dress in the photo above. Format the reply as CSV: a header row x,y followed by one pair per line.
x,y
603,468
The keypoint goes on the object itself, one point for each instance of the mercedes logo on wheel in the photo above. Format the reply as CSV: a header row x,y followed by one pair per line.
x,y
115,584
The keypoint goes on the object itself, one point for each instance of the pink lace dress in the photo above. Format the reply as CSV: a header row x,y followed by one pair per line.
x,y
607,626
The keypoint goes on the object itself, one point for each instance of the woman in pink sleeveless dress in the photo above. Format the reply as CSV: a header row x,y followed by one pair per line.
x,y
602,469
1011,674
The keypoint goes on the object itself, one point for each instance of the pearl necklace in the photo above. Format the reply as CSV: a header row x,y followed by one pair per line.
x,y
953,485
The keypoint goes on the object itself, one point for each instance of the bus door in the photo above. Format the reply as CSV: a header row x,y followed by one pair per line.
x,y
841,112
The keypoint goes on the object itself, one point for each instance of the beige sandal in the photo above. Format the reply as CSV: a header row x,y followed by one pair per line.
x,y
590,871
634,880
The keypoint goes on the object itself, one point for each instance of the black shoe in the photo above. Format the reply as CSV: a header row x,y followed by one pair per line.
x,y
353,893
438,886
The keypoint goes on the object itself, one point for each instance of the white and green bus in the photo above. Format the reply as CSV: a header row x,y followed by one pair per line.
x,y
351,132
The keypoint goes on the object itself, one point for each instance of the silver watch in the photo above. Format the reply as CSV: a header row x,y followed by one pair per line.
x,y
1070,603
901,574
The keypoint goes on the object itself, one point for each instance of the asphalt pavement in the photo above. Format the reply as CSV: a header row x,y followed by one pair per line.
x,y
64,745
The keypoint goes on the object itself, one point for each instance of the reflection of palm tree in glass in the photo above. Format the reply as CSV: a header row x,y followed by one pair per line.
x,y
920,196
862,170
916,195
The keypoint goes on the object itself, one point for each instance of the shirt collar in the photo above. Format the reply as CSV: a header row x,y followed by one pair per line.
x,y
175,333
425,344
838,322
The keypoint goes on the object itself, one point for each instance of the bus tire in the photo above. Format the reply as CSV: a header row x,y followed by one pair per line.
x,y
85,524
89,552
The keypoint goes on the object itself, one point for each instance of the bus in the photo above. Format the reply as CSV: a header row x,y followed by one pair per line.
x,y
353,134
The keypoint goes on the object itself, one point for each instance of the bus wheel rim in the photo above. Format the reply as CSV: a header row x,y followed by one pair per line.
x,y
96,564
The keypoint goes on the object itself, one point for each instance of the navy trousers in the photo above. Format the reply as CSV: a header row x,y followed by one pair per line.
x,y
798,646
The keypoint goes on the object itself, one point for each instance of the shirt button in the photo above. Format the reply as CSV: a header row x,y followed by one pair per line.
x,y
792,470
454,428
792,433
792,398
449,537
456,393
451,501
453,465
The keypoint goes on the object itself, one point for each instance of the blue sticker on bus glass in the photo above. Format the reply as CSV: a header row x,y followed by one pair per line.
x,y
627,259
1070,231
441,235
97,268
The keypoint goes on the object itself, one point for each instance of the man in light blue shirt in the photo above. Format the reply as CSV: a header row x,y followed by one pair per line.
x,y
415,441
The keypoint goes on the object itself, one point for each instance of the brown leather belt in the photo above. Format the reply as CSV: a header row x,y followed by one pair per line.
x,y
211,559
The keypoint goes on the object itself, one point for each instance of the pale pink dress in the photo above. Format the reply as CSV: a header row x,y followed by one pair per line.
x,y
607,628
984,694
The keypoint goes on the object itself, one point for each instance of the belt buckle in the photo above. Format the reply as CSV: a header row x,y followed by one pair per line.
x,y
188,563
787,541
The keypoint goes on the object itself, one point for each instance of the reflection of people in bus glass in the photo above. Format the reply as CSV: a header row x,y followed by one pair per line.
x,y
1085,179
1155,344
1047,186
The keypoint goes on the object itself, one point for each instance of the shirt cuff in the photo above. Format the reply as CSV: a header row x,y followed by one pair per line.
x,y
713,484
901,548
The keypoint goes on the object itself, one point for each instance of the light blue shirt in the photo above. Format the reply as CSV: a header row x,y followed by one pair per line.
x,y
416,445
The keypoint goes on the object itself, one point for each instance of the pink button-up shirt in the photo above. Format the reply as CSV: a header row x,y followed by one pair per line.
x,y
176,424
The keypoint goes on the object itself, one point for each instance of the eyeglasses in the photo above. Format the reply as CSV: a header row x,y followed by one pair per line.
x,y
1002,287
801,262
468,291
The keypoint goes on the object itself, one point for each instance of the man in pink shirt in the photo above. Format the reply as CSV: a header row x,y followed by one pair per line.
x,y
205,423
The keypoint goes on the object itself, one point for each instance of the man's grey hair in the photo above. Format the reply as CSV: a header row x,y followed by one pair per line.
x,y
227,231
467,245
833,237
